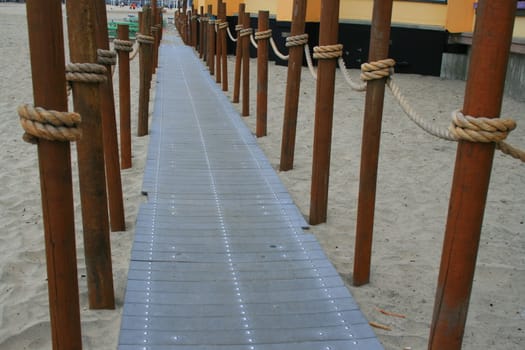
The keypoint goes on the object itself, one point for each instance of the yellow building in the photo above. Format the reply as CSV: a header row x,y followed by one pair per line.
x,y
430,37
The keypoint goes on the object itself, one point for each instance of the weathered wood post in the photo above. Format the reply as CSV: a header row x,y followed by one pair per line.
x,y
293,85
46,44
324,109
90,150
211,40
146,42
194,26
123,47
238,55
483,98
218,45
109,124
201,32
245,38
373,115
155,34
262,75
224,47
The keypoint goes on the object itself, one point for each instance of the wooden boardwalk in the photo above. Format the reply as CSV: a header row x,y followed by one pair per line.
x,y
220,260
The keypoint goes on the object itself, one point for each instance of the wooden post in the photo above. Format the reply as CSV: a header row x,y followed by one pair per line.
x,y
145,52
238,57
201,33
224,48
93,197
375,92
211,41
46,44
124,100
154,34
293,84
483,98
262,76
218,46
246,68
193,28
109,128
324,109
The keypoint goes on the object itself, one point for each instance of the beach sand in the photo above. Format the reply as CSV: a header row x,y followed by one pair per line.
x,y
415,174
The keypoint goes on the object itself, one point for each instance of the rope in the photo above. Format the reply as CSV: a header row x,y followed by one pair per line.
x,y
254,43
239,27
277,52
265,34
355,86
223,25
122,45
39,123
309,61
85,72
297,40
145,39
134,53
245,32
328,52
377,70
106,57
230,34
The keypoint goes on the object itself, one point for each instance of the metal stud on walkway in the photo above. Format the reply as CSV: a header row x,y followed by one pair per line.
x,y
220,260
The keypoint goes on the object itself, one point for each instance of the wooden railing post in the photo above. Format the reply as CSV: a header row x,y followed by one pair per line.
x,y
224,48
124,100
324,110
375,92
201,32
293,85
109,128
211,41
90,150
46,44
262,76
483,97
246,68
218,45
145,52
238,57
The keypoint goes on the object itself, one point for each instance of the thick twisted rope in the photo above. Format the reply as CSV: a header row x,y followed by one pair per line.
x,y
106,57
277,52
39,123
377,70
254,43
223,25
328,52
264,34
145,39
245,31
353,85
85,72
123,45
297,40
230,34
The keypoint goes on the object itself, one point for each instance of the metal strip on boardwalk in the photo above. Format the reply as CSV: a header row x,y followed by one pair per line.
x,y
220,260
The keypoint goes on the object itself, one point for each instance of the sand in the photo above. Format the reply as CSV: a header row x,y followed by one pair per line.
x,y
415,174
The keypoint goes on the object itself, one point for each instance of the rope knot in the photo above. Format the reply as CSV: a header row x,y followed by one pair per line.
x,y
245,32
123,45
85,72
239,27
106,57
39,123
264,34
377,70
223,25
472,129
297,40
328,52
145,39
